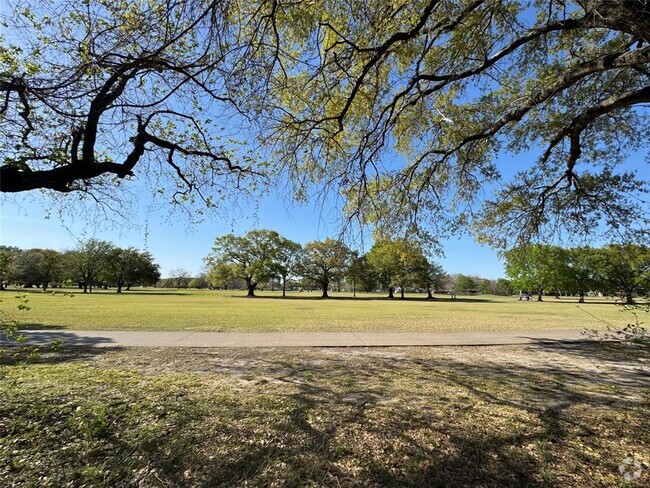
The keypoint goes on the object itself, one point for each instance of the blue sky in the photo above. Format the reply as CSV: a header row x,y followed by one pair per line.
x,y
175,243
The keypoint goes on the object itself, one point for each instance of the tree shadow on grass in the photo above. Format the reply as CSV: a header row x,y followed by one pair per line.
x,y
153,293
361,417
631,357
54,355
393,452
35,326
66,292
46,335
397,299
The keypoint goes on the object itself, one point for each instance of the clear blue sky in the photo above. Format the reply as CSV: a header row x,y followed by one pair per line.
x,y
176,244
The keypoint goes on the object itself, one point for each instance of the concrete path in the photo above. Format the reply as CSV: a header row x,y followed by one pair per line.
x,y
297,339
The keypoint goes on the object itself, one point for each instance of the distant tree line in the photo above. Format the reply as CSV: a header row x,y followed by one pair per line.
x,y
92,264
614,269
264,258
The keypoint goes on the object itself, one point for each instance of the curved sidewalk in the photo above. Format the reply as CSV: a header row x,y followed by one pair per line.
x,y
297,339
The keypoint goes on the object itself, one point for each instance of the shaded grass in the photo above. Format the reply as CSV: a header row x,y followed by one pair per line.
x,y
230,311
398,417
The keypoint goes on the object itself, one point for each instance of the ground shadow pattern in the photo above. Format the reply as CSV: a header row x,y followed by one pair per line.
x,y
541,415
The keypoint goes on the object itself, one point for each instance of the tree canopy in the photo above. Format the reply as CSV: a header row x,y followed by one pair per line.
x,y
536,268
97,92
251,258
324,262
397,263
406,108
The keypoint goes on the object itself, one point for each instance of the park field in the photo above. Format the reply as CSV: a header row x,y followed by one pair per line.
x,y
231,311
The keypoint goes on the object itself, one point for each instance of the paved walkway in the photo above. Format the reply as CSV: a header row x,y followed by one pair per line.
x,y
297,339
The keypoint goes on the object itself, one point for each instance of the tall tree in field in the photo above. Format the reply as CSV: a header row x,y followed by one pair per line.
x,y
286,260
221,274
39,267
252,257
360,272
142,270
396,262
180,277
581,267
536,268
8,256
503,287
429,275
88,261
465,283
126,267
324,262
624,270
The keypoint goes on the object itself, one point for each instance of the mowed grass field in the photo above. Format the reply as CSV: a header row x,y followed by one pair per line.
x,y
231,311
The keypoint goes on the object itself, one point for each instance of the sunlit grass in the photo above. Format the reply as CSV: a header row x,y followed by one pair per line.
x,y
193,310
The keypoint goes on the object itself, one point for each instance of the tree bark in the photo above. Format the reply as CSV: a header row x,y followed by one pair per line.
x,y
429,294
401,292
581,294
251,290
391,291
628,298
325,295
539,295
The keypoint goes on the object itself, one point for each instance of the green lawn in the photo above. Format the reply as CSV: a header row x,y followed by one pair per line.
x,y
155,309
499,416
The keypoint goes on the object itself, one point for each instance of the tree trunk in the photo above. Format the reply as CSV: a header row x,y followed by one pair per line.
x,y
85,287
119,287
391,291
45,286
582,297
539,294
429,294
325,295
284,286
401,291
354,289
251,290
628,298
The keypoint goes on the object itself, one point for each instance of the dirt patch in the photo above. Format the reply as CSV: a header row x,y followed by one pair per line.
x,y
604,363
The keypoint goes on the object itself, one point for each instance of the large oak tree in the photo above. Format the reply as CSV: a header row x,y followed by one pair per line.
x,y
406,106
95,93
252,257
324,262
409,108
